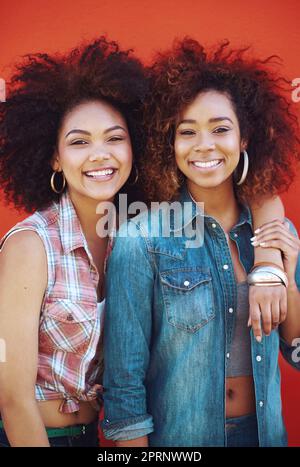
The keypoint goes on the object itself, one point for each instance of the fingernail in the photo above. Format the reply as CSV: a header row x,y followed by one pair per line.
x,y
253,238
256,231
262,244
258,338
254,243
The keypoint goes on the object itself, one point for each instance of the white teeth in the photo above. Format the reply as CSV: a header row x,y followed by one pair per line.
x,y
96,173
206,164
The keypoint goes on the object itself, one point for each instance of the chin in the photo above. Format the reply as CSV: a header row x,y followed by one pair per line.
x,y
104,197
98,196
205,184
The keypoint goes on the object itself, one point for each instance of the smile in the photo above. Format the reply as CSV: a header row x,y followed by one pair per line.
x,y
101,174
206,165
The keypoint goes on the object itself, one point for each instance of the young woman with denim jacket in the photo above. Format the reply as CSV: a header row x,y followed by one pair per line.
x,y
68,130
182,366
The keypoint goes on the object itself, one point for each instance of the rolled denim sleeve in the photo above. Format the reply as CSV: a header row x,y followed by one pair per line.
x,y
291,353
127,334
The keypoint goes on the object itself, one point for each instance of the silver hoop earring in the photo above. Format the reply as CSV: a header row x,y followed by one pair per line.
x,y
245,168
52,183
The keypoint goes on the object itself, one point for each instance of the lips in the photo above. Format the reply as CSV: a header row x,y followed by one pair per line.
x,y
207,164
100,174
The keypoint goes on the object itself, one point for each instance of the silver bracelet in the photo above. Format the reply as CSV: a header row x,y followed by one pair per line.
x,y
267,276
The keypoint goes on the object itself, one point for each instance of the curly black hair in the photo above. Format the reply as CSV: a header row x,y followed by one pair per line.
x,y
258,96
42,90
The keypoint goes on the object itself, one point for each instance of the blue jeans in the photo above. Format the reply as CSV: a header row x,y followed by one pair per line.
x,y
242,431
89,439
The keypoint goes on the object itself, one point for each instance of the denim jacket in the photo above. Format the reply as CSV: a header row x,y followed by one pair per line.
x,y
169,323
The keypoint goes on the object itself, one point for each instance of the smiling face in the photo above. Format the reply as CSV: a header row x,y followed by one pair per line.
x,y
94,151
207,141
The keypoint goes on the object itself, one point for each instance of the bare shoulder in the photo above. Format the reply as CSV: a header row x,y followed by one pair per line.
x,y
26,243
23,253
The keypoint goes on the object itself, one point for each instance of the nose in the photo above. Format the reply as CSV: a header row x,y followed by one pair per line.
x,y
99,154
204,144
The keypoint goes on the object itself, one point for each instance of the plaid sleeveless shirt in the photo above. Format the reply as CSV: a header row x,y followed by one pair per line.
x,y
70,354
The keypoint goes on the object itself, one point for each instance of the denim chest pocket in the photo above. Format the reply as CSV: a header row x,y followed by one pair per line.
x,y
67,325
188,298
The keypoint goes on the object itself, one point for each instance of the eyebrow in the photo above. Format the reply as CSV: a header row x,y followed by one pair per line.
x,y
77,130
116,127
220,119
211,120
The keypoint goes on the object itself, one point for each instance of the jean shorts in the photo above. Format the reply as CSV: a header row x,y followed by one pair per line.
x,y
89,438
242,431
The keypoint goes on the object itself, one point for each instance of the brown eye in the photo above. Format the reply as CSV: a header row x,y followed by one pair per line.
x,y
116,138
186,132
221,130
78,142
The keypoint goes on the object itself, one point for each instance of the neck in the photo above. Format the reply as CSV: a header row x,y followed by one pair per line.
x,y
86,211
219,202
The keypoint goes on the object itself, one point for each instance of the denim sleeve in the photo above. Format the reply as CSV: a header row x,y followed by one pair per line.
x,y
291,353
127,333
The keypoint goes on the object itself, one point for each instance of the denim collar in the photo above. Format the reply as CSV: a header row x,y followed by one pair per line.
x,y
181,218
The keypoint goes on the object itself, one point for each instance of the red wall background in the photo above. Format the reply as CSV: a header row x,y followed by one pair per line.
x,y
270,27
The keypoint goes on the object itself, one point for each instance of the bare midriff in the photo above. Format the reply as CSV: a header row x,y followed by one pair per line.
x,y
240,396
240,393
52,417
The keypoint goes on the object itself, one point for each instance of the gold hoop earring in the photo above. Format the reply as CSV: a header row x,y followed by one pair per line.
x,y
52,183
136,175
